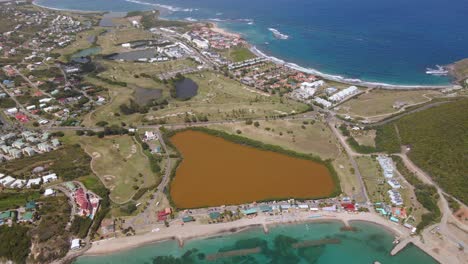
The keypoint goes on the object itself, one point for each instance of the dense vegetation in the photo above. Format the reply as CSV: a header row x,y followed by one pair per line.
x,y
438,138
426,195
15,243
386,140
80,226
50,237
68,162
16,199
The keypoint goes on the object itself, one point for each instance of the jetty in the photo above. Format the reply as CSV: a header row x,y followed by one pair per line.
x,y
233,253
311,243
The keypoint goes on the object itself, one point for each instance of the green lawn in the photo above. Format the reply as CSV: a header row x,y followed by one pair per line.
x,y
237,54
120,164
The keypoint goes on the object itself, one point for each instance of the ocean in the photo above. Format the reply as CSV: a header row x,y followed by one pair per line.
x,y
368,244
377,41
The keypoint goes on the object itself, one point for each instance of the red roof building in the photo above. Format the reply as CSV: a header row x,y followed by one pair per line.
x,y
349,207
82,200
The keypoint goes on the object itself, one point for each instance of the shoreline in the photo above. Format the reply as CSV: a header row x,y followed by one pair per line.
x,y
337,78
195,231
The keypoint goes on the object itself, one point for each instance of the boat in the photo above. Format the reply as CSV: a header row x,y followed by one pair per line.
x,y
439,71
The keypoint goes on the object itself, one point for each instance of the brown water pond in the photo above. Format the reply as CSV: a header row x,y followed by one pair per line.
x,y
219,172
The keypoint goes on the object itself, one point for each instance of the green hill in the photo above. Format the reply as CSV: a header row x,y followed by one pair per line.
x,y
439,144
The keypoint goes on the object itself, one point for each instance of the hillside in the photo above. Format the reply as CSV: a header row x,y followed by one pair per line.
x,y
439,144
459,69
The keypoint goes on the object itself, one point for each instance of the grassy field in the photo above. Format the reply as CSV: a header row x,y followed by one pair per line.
x,y
218,97
120,164
315,139
373,179
111,41
438,138
364,137
378,103
110,112
238,54
222,98
80,43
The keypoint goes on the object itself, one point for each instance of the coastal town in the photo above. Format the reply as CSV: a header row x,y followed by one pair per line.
x,y
124,129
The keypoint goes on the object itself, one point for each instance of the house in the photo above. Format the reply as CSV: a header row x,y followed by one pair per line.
x,y
46,100
49,178
12,111
75,244
82,201
6,180
30,107
44,147
55,142
31,182
15,153
29,151
19,144
18,183
49,192
5,149
150,135
394,183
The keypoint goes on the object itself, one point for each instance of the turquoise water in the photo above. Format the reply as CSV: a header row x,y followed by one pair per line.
x,y
380,41
87,52
370,243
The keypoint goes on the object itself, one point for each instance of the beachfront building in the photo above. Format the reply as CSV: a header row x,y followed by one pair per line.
x,y
343,94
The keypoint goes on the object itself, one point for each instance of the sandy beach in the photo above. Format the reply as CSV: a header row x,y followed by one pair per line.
x,y
216,28
197,231
432,245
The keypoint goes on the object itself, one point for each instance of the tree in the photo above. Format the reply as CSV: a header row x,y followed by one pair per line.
x,y
256,124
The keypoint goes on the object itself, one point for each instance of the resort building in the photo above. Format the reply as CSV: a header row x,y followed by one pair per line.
x,y
386,163
343,94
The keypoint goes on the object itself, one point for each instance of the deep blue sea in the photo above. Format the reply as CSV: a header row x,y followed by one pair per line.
x,y
365,246
372,40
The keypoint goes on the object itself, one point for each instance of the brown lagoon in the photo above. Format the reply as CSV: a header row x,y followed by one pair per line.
x,y
219,172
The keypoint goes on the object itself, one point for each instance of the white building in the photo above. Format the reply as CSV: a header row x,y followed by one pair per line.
x,y
315,84
18,183
341,95
75,244
49,192
31,182
6,180
386,163
50,177
322,102
201,43
394,183
12,111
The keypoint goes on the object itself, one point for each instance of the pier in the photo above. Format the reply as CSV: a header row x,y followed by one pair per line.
x,y
233,253
311,243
